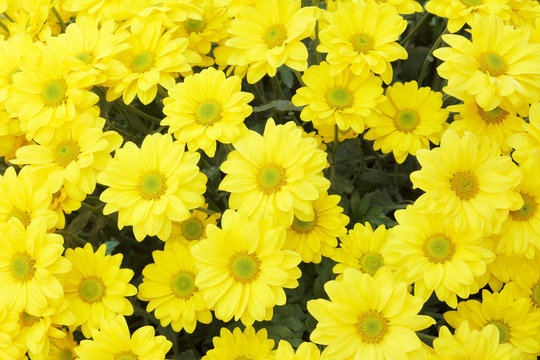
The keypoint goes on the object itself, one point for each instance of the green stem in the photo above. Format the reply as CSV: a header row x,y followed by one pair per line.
x,y
415,29
206,210
139,311
173,336
140,113
362,160
277,87
396,174
333,156
228,147
59,18
427,339
78,240
299,77
95,210
435,46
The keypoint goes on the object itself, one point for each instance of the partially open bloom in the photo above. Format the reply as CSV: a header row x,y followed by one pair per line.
x,y
306,351
193,228
526,143
239,344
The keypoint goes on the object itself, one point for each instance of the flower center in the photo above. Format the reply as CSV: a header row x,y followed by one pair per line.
x,y
23,216
492,64
208,112
303,226
271,178
66,152
194,25
371,326
439,249
192,229
275,36
371,262
527,211
535,296
65,354
142,62
183,285
28,320
92,290
504,330
464,184
494,116
471,2
406,120
152,186
127,355
340,98
54,92
84,57
22,267
244,267
362,43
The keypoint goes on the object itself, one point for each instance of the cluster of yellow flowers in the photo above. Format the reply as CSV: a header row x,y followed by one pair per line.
x,y
68,65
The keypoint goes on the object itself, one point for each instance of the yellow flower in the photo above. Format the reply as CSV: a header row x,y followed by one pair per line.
x,y
243,269
12,51
526,281
306,351
169,287
97,287
527,142
326,132
496,66
117,10
11,347
240,345
343,99
367,317
152,186
63,348
363,35
524,12
266,35
113,341
205,108
411,118
194,228
468,182
278,174
31,267
402,6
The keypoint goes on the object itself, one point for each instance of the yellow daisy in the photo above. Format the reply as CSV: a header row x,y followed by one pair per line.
x,y
63,348
468,182
343,99
524,12
306,351
97,287
12,51
526,144
152,186
410,119
31,267
327,134
194,228
363,35
240,345
113,341
169,287
498,65
243,269
11,348
205,108
367,317
277,174
117,10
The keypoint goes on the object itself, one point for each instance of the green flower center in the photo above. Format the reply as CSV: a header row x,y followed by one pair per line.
x,y
371,262
22,267
28,320
65,354
275,36
492,64
494,116
271,178
504,330
244,267
92,290
152,186
371,326
127,355
303,226
194,25
54,92
84,57
340,98
362,43
142,62
66,152
535,296
24,216
406,120
183,285
471,3
439,249
527,211
13,72
192,229
208,112
465,185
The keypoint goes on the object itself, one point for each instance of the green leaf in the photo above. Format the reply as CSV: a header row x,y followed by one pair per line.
x,y
79,222
286,76
280,105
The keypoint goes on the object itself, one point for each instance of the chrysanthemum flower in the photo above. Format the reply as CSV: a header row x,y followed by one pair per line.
x,y
402,6
117,10
516,321
361,249
243,269
524,12
343,99
267,35
169,287
410,119
497,124
326,132
367,317
277,174
526,282
317,237
63,348
194,228
12,51
205,108
497,65
153,58
468,182
97,287
527,142
306,351
10,348
30,266
436,256
473,344
241,345
363,35
113,341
